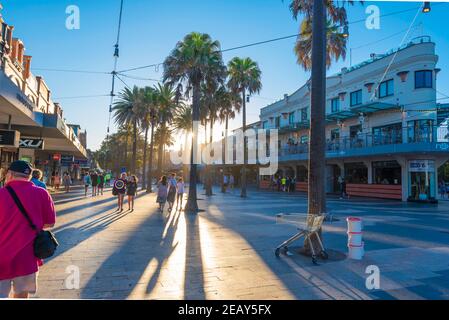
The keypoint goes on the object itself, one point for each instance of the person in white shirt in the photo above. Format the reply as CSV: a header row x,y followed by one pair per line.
x,y
180,188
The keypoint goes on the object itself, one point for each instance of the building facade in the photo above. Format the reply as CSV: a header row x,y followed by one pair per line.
x,y
32,126
386,133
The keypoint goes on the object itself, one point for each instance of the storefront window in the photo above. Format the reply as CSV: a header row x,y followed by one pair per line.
x,y
386,172
420,131
422,186
356,172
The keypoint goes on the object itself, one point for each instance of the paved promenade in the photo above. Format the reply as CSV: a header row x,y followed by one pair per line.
x,y
227,251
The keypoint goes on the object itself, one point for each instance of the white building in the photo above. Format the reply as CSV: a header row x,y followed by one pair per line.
x,y
382,132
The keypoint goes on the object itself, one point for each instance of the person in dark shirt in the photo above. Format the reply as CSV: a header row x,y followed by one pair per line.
x,y
100,184
94,178
131,191
119,190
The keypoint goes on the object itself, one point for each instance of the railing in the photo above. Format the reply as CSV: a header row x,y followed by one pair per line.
x,y
368,140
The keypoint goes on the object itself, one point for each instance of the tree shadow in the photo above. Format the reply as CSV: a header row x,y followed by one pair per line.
x,y
153,239
193,274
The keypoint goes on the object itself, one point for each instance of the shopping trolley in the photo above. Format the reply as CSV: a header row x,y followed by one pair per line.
x,y
308,225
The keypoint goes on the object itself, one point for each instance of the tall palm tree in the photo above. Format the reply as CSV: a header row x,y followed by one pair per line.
x,y
211,99
163,137
166,103
244,77
315,54
194,59
126,113
145,114
182,124
232,104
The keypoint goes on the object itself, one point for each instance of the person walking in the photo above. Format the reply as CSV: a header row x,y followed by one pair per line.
x,y
442,189
180,189
283,183
162,192
131,191
231,183
67,181
101,182
94,178
342,187
87,183
119,190
18,264
172,184
225,182
57,181
37,179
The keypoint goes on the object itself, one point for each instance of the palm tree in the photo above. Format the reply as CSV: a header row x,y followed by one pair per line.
x,y
244,77
194,59
166,103
163,137
146,114
336,44
232,103
126,113
182,124
315,54
211,100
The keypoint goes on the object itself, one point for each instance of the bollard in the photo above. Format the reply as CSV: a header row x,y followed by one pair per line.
x,y
356,245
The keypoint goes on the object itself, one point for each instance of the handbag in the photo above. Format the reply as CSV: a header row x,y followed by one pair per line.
x,y
45,243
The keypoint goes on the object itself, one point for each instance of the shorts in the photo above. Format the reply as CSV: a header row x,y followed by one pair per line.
x,y
19,285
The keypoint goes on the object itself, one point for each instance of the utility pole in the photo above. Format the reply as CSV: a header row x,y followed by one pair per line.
x,y
317,161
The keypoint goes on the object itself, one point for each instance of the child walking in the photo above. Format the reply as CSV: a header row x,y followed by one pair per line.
x,y
162,193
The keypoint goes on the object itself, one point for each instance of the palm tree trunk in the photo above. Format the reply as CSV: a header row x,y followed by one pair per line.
x,y
184,165
317,161
144,169
192,203
134,155
245,154
225,149
150,165
126,149
206,167
209,167
161,151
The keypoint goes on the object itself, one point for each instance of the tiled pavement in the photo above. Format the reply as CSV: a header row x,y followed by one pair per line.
x,y
227,251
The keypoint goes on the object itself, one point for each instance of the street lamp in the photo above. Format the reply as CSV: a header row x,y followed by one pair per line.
x,y
426,7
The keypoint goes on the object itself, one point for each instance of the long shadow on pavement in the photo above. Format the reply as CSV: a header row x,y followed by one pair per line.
x,y
146,243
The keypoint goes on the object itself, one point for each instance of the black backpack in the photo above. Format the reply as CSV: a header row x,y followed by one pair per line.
x,y
45,243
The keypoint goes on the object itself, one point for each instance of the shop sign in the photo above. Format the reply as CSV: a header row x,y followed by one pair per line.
x,y
57,157
422,166
81,162
67,160
9,138
31,143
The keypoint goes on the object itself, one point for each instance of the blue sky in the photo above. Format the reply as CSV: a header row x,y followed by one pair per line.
x,y
151,29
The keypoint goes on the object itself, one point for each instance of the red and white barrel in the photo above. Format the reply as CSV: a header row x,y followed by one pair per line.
x,y
356,245
356,252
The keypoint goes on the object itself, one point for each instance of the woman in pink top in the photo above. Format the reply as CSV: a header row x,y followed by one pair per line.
x,y
18,264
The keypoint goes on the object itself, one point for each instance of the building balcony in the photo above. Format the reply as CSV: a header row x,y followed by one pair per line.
x,y
425,139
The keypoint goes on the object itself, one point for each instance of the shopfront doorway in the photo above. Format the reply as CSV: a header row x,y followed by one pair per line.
x,y
422,184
